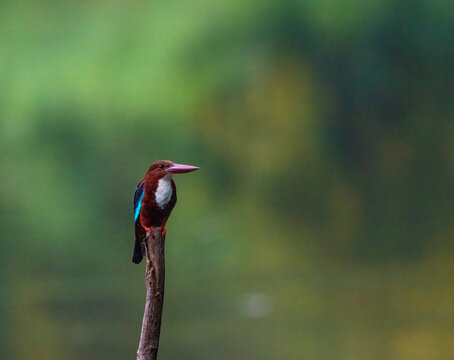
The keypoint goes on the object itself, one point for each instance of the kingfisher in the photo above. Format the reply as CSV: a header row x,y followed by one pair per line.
x,y
154,200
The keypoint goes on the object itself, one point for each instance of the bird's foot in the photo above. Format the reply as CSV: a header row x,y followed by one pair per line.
x,y
149,231
163,231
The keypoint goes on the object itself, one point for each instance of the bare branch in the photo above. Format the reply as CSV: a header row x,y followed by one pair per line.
x,y
154,283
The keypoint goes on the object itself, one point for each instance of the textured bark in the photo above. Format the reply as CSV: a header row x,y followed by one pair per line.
x,y
154,283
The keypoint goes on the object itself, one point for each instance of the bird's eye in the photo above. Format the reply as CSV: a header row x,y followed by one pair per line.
x,y
161,166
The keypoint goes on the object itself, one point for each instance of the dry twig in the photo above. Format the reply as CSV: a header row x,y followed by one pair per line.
x,y
154,283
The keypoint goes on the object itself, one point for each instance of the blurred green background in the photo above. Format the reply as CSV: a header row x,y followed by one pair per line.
x,y
320,225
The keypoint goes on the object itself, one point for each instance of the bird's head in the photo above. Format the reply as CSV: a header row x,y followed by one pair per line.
x,y
163,168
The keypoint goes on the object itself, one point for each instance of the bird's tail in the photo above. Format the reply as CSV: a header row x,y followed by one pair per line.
x,y
139,252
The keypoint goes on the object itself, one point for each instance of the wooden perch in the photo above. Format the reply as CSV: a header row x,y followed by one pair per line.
x,y
154,283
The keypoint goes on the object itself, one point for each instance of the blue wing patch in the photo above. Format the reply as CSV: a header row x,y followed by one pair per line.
x,y
138,196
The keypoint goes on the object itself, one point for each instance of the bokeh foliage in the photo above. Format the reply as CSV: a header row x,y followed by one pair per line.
x,y
319,225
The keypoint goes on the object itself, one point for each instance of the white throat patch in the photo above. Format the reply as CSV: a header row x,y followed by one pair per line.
x,y
164,191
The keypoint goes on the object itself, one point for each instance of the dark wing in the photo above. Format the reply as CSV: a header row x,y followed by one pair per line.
x,y
139,249
138,196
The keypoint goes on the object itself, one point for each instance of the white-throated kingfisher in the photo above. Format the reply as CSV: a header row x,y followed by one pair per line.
x,y
154,200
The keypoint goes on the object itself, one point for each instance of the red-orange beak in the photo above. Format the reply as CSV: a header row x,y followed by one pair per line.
x,y
180,169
